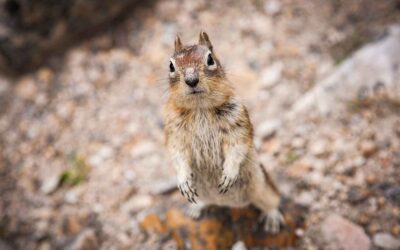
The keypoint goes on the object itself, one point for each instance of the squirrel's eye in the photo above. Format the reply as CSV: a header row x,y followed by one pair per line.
x,y
210,60
171,67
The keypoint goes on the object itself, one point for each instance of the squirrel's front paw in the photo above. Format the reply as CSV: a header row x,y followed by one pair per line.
x,y
187,189
226,183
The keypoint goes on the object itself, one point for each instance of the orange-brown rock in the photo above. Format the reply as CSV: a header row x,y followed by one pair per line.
x,y
220,227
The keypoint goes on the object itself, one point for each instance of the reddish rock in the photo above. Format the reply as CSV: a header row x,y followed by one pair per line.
x,y
340,233
221,228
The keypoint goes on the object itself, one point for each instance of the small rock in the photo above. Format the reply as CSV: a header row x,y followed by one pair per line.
x,y
299,169
71,197
101,155
271,76
169,245
65,110
26,88
43,246
386,241
305,198
50,185
268,128
164,186
315,178
273,7
340,233
86,240
356,195
393,193
318,147
45,74
368,148
4,86
71,224
137,203
395,230
299,232
298,143
239,246
359,161
143,149
98,208
130,176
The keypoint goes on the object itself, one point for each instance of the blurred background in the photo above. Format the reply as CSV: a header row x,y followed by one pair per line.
x,y
82,85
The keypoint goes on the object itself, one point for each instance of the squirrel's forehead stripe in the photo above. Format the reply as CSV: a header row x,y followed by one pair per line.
x,y
189,55
185,59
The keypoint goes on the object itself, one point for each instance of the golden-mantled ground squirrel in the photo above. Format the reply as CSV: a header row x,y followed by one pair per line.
x,y
210,137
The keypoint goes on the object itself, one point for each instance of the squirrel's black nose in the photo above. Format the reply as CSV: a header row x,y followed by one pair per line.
x,y
192,82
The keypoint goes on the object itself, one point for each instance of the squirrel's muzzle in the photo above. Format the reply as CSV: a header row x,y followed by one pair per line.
x,y
191,77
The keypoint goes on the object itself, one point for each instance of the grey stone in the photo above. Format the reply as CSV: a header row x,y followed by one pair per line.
x,y
386,241
273,7
372,65
271,75
268,128
50,185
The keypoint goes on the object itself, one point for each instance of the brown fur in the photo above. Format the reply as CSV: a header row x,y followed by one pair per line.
x,y
210,136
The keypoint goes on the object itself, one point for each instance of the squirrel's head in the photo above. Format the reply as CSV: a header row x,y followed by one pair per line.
x,y
196,77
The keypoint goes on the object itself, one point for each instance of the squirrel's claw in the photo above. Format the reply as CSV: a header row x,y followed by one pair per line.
x,y
226,183
188,191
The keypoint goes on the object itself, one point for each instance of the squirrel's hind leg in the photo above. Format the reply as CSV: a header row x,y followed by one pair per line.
x,y
264,195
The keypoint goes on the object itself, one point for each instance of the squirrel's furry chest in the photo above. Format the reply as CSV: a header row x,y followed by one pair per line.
x,y
204,140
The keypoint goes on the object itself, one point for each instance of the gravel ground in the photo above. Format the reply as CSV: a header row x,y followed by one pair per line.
x,y
81,146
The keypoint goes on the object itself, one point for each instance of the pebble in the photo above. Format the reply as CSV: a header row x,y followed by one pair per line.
x,y
50,184
86,240
104,153
71,197
4,86
299,169
143,149
137,203
130,176
315,178
71,224
305,198
368,148
170,245
340,233
298,143
26,88
239,245
271,75
45,75
273,7
318,147
164,186
268,128
393,193
42,246
357,195
386,241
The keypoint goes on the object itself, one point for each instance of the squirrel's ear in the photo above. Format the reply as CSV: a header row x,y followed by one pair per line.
x,y
178,43
204,40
